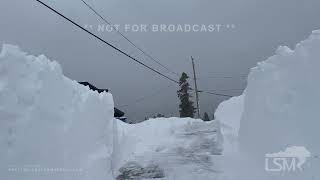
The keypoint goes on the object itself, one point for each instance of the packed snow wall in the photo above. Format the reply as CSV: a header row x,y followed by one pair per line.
x,y
50,126
281,108
229,114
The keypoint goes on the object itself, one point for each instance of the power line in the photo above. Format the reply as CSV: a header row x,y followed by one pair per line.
x,y
217,94
133,44
222,77
107,43
226,90
215,90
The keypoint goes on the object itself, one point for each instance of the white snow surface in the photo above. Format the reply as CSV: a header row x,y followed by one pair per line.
x,y
280,110
281,100
229,114
184,148
50,126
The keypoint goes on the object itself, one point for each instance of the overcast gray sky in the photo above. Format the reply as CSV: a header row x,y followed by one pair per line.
x,y
260,26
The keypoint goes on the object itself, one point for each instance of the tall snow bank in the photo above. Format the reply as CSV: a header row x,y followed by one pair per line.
x,y
50,126
229,114
281,104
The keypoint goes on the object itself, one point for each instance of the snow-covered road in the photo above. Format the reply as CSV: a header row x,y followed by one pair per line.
x,y
182,148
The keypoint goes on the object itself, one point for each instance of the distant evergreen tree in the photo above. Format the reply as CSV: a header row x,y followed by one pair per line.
x,y
206,117
186,107
213,117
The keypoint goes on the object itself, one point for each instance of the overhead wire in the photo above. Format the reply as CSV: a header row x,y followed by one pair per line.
x,y
126,38
105,42
216,94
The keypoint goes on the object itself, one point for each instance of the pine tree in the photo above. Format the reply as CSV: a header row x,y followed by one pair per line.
x,y
206,117
186,107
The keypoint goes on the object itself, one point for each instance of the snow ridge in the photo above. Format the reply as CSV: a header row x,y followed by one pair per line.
x,y
49,124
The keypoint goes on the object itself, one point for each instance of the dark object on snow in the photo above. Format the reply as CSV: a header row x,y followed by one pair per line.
x,y
134,171
117,112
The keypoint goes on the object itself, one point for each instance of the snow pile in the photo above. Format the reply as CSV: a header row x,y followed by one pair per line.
x,y
183,148
229,114
50,126
282,100
280,110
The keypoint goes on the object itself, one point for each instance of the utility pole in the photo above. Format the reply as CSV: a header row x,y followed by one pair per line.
x,y
196,87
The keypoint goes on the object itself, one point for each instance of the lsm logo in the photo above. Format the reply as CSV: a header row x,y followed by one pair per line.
x,y
289,160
